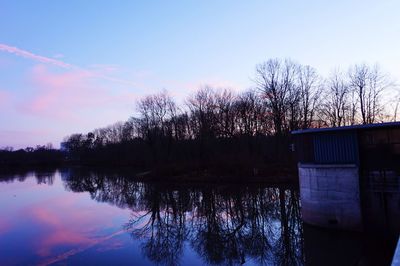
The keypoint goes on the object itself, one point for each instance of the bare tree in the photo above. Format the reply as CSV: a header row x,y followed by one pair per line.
x,y
225,100
294,111
396,108
155,110
218,125
369,84
251,114
335,103
291,91
310,91
202,106
276,79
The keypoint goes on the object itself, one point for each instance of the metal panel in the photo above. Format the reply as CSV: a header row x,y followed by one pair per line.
x,y
335,147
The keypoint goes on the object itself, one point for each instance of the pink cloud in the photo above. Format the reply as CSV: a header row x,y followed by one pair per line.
x,y
54,89
4,97
38,58
58,102
64,95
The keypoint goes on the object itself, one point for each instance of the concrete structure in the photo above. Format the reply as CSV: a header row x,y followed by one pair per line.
x,y
332,164
330,195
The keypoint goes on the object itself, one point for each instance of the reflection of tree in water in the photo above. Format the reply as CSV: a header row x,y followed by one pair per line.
x,y
290,241
45,177
224,225
42,176
162,227
113,189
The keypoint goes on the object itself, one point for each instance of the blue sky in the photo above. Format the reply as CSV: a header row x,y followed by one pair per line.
x,y
71,66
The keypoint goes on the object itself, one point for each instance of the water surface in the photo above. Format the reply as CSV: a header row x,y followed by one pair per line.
x,y
79,217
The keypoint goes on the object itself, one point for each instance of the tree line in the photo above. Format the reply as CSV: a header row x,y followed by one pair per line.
x,y
41,155
217,127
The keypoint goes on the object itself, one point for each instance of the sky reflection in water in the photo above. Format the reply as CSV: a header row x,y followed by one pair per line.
x,y
41,222
80,217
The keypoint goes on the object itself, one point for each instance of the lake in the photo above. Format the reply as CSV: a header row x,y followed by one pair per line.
x,y
83,217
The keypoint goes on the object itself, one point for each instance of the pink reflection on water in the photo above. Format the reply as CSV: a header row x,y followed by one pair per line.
x,y
71,223
58,232
4,226
113,245
82,248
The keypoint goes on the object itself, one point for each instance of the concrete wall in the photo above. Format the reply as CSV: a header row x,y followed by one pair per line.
x,y
330,196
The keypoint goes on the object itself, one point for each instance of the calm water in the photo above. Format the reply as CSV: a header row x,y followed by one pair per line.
x,y
76,217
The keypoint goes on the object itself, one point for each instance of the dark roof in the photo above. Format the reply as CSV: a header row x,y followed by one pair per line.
x,y
357,127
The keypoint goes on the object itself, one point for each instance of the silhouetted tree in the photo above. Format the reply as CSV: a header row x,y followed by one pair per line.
x,y
219,129
336,99
369,84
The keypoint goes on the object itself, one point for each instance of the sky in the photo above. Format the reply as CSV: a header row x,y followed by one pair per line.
x,y
73,66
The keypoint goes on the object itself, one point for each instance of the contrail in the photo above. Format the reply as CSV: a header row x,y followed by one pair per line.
x,y
39,58
75,251
43,59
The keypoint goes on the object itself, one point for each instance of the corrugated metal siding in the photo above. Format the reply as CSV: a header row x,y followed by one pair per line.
x,y
336,147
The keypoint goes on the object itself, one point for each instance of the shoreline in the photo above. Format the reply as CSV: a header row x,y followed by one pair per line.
x,y
269,174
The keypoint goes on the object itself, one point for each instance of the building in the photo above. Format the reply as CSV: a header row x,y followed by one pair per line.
x,y
337,164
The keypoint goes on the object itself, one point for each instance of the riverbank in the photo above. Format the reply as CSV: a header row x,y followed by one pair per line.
x,y
272,173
